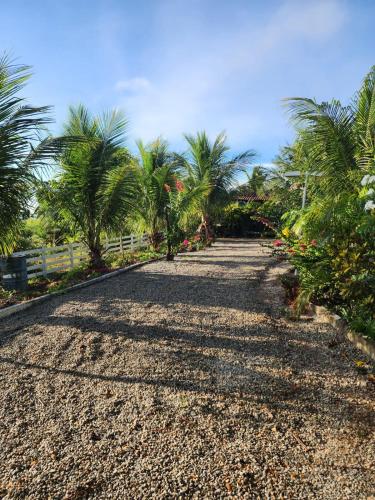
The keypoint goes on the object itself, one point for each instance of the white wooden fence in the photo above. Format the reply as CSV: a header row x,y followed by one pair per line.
x,y
47,260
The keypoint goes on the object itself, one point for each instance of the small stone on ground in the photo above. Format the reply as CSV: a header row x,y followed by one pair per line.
x,y
182,379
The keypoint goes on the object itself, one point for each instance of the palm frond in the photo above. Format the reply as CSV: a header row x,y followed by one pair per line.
x,y
328,138
22,149
209,163
364,128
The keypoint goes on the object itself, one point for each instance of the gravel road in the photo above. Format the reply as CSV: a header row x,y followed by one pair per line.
x,y
182,380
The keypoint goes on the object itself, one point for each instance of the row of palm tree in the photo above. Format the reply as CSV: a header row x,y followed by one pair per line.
x,y
99,187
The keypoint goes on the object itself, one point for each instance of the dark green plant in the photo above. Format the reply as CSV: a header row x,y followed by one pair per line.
x,y
25,148
95,187
208,164
155,177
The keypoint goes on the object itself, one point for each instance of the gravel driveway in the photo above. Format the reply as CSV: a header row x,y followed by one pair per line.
x,y
182,380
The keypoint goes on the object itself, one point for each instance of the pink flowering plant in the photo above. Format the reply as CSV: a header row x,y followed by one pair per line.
x,y
331,273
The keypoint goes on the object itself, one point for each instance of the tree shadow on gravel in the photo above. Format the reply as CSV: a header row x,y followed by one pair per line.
x,y
267,340
240,362
212,261
148,288
191,371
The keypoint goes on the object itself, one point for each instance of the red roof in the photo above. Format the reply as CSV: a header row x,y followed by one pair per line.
x,y
253,197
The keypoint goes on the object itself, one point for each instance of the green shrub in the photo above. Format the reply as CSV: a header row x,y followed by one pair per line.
x,y
365,326
339,275
239,221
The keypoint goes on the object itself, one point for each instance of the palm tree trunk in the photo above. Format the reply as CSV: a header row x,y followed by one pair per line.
x,y
96,259
154,240
170,255
96,255
206,227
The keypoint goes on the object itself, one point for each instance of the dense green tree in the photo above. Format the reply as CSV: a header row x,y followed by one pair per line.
x,y
95,185
256,181
209,164
336,146
155,176
25,148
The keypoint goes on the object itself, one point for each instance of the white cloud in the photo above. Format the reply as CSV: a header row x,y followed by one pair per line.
x,y
133,84
202,75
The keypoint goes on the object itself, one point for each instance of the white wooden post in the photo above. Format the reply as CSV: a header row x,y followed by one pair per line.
x,y
44,262
132,242
121,244
71,255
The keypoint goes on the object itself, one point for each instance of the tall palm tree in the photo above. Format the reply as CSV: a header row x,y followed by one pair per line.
x,y
208,163
95,185
24,149
337,145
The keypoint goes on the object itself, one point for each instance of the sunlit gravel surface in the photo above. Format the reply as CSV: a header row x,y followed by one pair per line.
x,y
182,380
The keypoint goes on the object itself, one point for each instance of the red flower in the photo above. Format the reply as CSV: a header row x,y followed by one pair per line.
x,y
278,243
313,243
167,188
179,186
185,243
303,247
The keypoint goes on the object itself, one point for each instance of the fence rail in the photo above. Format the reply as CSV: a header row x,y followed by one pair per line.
x,y
48,260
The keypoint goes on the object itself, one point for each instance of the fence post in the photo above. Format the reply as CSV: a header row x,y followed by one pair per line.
x,y
15,273
132,242
71,255
44,262
121,245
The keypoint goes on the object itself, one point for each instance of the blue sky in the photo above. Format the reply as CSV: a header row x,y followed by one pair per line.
x,y
179,66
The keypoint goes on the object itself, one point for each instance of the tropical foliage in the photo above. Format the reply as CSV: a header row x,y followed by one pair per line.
x,y
155,173
25,148
208,164
320,199
94,188
331,240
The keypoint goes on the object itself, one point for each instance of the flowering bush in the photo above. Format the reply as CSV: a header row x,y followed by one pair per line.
x,y
337,274
278,243
180,186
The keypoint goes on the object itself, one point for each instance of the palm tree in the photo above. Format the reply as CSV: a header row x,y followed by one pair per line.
x,y
95,185
208,163
165,202
338,143
24,149
255,181
155,177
